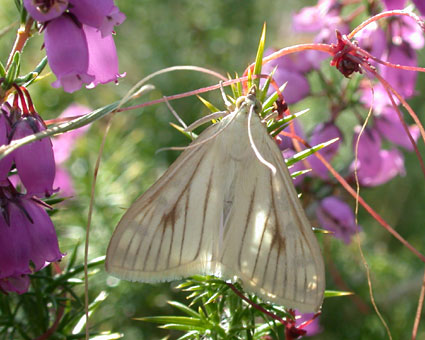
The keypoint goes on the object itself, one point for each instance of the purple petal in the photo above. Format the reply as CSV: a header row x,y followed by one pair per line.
x,y
372,39
49,11
44,242
376,98
18,284
323,133
103,59
15,246
388,124
6,162
67,53
100,14
368,161
392,164
63,181
64,144
338,217
394,4
286,142
312,328
402,81
420,5
35,161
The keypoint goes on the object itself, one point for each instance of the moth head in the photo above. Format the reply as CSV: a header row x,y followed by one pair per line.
x,y
250,100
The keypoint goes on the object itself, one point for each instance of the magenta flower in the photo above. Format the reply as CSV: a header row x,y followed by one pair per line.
x,y
62,148
372,39
28,240
389,126
35,161
376,166
67,54
103,59
391,165
322,133
291,70
323,19
6,162
285,142
394,4
368,159
420,5
312,328
45,10
337,216
100,14
402,81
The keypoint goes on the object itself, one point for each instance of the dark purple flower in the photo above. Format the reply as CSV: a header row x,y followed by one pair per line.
x,y
28,242
35,161
323,133
18,284
337,216
389,126
394,4
67,53
103,59
44,10
6,162
100,14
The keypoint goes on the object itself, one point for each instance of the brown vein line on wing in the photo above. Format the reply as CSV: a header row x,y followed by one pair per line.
x,y
136,230
261,244
248,218
177,201
298,222
204,210
278,237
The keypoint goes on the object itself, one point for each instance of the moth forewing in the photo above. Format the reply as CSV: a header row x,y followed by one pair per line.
x,y
219,210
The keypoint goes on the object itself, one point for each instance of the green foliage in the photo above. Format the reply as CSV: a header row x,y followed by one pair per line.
x,y
216,312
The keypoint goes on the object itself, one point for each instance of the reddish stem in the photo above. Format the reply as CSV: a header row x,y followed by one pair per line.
x,y
367,207
386,15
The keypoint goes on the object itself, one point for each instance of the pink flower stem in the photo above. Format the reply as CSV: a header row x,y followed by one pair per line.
x,y
21,38
386,15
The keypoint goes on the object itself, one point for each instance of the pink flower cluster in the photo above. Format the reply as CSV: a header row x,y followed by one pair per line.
x,y
78,40
396,41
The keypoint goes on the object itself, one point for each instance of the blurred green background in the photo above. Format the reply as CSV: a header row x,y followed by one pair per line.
x,y
223,36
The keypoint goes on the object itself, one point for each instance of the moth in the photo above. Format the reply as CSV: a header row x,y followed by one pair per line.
x,y
226,207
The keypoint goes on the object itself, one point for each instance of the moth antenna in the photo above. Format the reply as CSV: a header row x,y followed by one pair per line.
x,y
175,114
254,148
204,120
228,104
198,143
